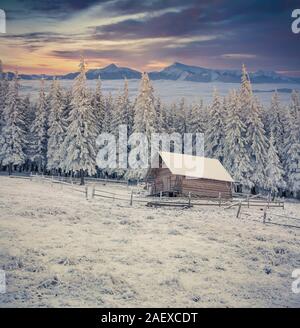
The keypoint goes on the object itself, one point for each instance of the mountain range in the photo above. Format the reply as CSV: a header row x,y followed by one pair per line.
x,y
174,72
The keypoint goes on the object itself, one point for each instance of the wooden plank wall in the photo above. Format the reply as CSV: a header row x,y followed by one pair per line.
x,y
200,187
160,177
207,188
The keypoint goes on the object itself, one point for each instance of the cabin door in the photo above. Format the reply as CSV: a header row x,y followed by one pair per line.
x,y
166,183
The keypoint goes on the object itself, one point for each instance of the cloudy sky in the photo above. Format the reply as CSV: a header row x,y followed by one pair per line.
x,y
47,36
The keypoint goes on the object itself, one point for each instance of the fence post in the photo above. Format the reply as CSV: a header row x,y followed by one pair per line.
x,y
86,192
93,191
131,198
160,195
189,199
248,201
220,199
265,215
239,209
269,197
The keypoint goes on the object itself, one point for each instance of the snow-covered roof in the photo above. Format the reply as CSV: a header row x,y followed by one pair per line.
x,y
195,166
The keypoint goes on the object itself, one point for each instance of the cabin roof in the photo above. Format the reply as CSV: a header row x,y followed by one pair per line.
x,y
195,166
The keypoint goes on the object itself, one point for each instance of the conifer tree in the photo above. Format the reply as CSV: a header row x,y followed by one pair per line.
x,y
292,144
274,171
276,124
245,93
57,126
195,118
256,144
180,118
78,151
236,158
107,120
4,85
98,104
145,113
13,138
39,130
214,138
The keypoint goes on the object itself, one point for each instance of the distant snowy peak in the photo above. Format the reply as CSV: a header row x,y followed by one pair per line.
x,y
113,72
179,71
176,71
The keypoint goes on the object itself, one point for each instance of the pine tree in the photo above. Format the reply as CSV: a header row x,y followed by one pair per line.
x,y
276,124
109,107
29,115
214,139
98,104
168,114
128,109
236,159
117,114
57,126
39,130
13,139
159,115
245,93
274,171
292,144
145,113
256,143
4,85
78,150
195,118
180,118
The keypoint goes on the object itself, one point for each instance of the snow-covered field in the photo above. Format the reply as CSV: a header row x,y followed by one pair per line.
x,y
60,250
172,91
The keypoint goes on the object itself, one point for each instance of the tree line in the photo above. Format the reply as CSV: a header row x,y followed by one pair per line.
x,y
259,145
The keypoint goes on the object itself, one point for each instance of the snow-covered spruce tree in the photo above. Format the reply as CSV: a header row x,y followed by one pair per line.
x,y
295,104
29,115
122,112
159,115
57,126
168,114
165,119
145,113
39,130
274,171
117,114
78,151
256,144
180,118
98,103
195,119
236,158
128,109
214,137
145,120
3,95
118,117
245,93
275,125
67,100
292,145
109,107
13,138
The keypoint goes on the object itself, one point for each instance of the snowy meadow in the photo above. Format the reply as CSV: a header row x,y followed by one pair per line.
x,y
60,250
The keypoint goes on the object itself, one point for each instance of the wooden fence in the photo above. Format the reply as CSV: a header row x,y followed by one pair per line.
x,y
92,191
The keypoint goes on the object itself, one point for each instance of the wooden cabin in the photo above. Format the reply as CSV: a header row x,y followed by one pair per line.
x,y
179,174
